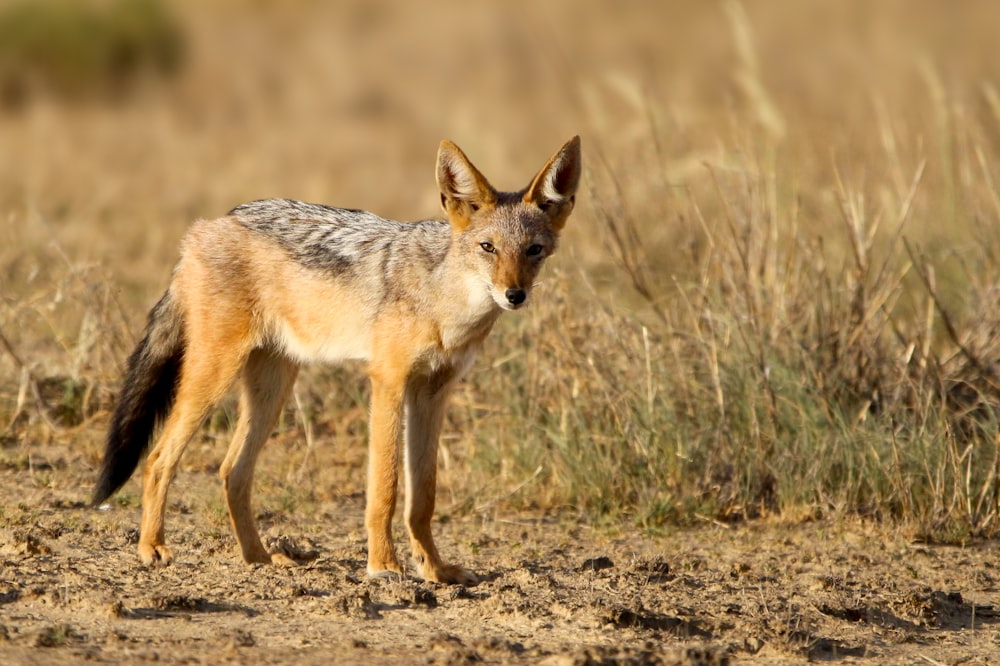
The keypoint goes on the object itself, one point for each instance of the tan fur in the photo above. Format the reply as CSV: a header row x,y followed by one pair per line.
x,y
252,314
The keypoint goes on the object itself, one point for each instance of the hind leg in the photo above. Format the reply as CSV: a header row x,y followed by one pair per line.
x,y
267,379
206,374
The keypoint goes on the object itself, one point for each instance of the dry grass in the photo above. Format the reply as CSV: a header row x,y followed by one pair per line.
x,y
779,294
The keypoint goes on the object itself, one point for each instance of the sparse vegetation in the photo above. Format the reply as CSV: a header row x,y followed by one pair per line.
x,y
777,297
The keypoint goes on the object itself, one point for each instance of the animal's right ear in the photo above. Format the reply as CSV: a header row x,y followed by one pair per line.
x,y
463,189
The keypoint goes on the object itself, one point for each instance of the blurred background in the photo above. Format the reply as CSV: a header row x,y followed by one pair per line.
x,y
752,170
124,119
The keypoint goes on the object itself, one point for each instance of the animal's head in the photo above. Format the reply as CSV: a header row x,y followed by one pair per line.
x,y
504,237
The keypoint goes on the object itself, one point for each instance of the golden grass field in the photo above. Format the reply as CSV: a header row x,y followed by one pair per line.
x,y
777,301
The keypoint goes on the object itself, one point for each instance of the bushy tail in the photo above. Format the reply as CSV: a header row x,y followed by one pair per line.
x,y
146,396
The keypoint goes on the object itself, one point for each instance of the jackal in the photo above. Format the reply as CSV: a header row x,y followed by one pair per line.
x,y
278,283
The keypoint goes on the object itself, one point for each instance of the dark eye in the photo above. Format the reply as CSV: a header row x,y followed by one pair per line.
x,y
488,247
535,250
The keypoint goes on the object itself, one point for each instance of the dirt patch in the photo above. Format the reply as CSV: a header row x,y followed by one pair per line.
x,y
554,591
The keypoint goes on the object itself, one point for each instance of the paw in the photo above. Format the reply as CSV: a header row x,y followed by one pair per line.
x,y
282,560
451,574
385,571
155,554
385,574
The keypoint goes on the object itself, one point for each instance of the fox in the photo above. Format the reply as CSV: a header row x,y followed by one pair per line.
x,y
278,283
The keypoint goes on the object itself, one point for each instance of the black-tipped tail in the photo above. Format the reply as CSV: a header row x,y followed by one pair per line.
x,y
146,396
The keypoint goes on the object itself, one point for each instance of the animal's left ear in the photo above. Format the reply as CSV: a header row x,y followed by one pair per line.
x,y
554,188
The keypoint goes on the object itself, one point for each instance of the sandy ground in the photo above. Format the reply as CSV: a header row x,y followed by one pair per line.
x,y
555,590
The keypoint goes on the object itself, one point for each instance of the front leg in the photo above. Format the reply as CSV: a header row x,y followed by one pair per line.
x,y
383,466
426,398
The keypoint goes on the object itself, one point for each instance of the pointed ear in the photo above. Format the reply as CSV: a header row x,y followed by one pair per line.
x,y
554,188
463,189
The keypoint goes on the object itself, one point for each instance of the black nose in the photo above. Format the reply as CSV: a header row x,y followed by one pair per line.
x,y
515,296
